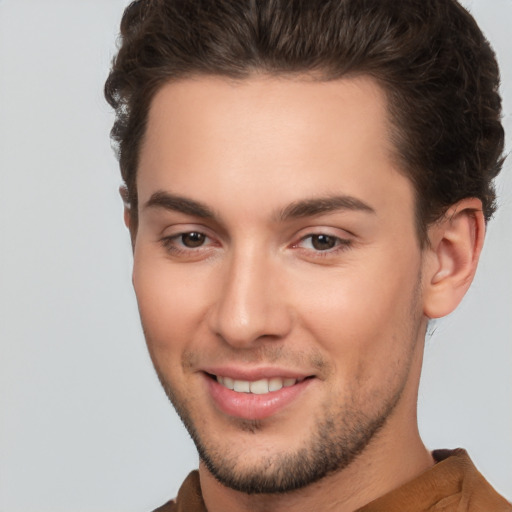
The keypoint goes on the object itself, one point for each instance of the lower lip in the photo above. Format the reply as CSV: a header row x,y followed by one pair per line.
x,y
250,406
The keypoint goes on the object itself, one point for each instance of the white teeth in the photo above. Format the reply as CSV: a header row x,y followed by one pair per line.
x,y
275,384
242,386
228,382
257,387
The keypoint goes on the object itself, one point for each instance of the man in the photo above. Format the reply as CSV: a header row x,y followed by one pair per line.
x,y
307,185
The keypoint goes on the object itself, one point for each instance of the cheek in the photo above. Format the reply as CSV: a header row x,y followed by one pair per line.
x,y
364,316
169,303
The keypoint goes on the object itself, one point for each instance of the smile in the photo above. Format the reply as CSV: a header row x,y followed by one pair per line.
x,y
257,398
257,387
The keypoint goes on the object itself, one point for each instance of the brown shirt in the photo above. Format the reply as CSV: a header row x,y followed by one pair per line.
x,y
452,485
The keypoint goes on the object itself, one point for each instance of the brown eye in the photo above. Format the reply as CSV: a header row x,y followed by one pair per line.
x,y
323,242
193,239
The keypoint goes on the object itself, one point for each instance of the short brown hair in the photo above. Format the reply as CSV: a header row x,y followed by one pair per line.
x,y
435,65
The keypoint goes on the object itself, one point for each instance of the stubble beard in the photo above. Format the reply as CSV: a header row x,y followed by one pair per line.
x,y
336,440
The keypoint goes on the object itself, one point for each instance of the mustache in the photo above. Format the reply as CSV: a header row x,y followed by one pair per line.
x,y
264,354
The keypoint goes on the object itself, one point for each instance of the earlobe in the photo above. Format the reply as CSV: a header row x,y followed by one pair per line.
x,y
452,258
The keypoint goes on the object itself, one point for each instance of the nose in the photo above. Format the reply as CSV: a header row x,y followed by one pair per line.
x,y
251,304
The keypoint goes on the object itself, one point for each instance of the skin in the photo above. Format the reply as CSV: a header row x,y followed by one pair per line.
x,y
258,289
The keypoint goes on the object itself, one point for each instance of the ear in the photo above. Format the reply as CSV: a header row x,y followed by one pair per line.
x,y
127,214
450,262
123,192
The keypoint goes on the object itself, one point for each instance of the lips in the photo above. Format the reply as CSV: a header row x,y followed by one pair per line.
x,y
254,396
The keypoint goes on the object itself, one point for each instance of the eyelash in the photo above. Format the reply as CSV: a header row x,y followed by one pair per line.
x,y
170,243
174,245
341,245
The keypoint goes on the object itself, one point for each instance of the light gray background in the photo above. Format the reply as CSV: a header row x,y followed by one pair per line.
x,y
84,425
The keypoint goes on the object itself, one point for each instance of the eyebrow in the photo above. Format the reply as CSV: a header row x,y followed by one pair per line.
x,y
295,210
322,205
180,204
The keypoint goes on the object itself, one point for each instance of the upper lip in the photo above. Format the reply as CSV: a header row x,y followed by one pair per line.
x,y
254,374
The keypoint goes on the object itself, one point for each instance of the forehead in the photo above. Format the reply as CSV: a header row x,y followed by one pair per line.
x,y
262,110
283,138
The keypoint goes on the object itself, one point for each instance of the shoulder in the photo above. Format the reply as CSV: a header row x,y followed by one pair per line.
x,y
189,497
170,506
474,492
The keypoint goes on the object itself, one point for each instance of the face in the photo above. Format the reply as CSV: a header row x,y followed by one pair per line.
x,y
278,273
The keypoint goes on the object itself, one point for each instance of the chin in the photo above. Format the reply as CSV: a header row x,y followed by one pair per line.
x,y
252,464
